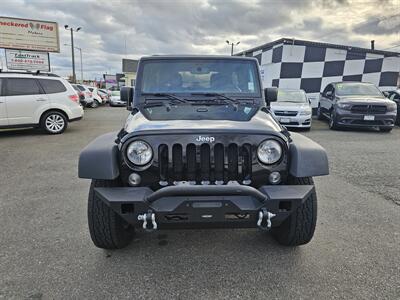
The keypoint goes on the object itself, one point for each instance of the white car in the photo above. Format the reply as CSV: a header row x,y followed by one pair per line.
x,y
104,95
115,99
292,109
98,100
88,100
37,100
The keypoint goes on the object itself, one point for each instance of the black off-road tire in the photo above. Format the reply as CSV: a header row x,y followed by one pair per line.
x,y
107,229
298,228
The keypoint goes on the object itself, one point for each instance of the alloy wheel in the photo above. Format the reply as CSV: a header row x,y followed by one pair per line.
x,y
95,104
54,123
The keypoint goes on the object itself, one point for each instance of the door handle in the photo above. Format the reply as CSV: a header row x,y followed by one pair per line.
x,y
41,99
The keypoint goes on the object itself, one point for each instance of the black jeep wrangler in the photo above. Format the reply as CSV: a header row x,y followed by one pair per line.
x,y
200,149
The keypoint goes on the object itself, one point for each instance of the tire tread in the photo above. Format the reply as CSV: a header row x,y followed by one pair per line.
x,y
299,228
105,226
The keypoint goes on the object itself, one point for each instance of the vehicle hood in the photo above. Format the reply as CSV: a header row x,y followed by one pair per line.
x,y
289,106
115,98
262,122
367,99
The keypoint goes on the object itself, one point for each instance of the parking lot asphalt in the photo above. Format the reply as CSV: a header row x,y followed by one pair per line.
x,y
46,251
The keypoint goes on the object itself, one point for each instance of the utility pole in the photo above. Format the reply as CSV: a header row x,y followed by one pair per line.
x,y
80,52
72,50
232,44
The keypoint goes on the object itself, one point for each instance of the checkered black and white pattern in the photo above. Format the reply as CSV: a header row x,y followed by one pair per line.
x,y
313,67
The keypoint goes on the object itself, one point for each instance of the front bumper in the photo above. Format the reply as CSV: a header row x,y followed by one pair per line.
x,y
347,118
299,121
213,206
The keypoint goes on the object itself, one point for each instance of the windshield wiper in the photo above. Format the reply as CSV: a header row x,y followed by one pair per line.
x,y
235,103
169,96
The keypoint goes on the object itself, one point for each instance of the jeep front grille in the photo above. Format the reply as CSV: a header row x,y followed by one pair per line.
x,y
205,163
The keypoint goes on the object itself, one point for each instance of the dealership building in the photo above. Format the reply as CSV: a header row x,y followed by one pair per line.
x,y
311,66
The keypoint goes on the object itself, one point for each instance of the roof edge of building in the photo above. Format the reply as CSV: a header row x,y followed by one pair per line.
x,y
292,41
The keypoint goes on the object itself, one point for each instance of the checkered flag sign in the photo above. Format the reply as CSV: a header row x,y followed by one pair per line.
x,y
312,66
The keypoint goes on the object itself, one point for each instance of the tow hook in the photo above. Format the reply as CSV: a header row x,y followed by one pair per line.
x,y
264,214
148,218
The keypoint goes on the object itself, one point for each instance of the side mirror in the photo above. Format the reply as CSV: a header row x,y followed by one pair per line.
x,y
127,93
329,94
271,95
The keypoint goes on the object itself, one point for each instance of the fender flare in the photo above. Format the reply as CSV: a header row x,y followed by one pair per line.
x,y
307,158
99,159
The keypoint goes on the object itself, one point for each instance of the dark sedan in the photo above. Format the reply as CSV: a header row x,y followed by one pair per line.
x,y
356,104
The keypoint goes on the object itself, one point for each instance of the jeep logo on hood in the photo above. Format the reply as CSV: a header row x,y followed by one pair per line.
x,y
208,139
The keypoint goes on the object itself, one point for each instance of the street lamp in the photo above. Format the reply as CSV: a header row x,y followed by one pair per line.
x,y
232,44
72,49
80,52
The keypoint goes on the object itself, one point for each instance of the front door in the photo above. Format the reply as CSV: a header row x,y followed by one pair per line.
x,y
24,99
3,111
326,99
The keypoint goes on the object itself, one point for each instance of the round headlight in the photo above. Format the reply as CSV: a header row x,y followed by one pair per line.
x,y
139,153
269,152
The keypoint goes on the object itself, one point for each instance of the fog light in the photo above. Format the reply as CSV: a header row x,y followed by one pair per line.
x,y
134,179
275,177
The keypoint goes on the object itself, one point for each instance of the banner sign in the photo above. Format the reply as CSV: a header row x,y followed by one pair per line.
x,y
28,34
111,81
27,60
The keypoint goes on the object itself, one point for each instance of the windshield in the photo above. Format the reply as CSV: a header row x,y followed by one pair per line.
x,y
349,89
297,96
115,93
200,76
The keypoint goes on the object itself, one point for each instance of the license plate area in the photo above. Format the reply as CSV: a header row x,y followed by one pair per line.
x,y
369,118
203,209
285,120
208,204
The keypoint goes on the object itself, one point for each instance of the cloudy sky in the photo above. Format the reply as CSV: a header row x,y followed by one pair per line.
x,y
113,29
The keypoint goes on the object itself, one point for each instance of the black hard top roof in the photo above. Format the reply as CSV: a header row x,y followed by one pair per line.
x,y
186,56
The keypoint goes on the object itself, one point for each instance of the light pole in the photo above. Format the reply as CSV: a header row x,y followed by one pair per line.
x,y
72,49
80,52
232,44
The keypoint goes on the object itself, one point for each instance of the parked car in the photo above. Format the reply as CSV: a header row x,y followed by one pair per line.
x,y
89,100
85,96
98,100
356,104
200,149
80,94
115,99
395,96
37,100
104,95
292,108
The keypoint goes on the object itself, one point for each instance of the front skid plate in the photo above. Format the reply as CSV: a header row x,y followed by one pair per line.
x,y
205,211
